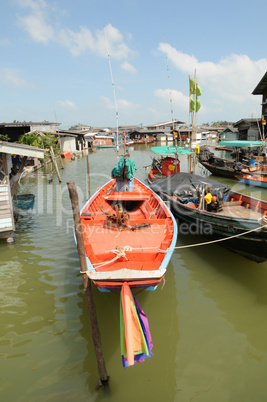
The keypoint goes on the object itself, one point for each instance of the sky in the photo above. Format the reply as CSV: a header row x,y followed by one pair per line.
x,y
128,62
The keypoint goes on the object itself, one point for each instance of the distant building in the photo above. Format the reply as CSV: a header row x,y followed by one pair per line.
x,y
167,126
248,129
83,128
15,130
229,134
261,89
9,181
141,136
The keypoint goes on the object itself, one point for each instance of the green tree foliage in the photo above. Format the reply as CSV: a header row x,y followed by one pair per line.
x,y
40,140
4,137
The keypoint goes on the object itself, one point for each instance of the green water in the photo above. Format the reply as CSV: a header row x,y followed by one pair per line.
x,y
208,322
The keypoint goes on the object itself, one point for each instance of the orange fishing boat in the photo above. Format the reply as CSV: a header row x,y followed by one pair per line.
x,y
129,236
255,176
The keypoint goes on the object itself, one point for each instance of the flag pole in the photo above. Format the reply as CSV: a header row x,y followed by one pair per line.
x,y
189,127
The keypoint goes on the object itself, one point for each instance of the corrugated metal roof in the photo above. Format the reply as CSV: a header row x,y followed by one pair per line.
x,y
261,86
21,149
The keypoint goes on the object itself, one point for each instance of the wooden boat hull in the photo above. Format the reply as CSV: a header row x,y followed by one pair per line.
x,y
219,170
23,202
225,225
257,181
154,175
129,237
256,176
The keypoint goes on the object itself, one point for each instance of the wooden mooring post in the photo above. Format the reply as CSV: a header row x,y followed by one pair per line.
x,y
87,284
55,163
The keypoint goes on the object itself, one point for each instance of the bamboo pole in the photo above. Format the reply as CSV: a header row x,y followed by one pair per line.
x,y
88,176
55,163
61,163
87,285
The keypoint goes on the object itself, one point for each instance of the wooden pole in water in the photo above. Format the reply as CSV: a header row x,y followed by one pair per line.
x,y
88,176
55,163
87,284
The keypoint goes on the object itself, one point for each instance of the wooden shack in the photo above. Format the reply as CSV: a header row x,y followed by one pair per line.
x,y
261,89
7,189
142,136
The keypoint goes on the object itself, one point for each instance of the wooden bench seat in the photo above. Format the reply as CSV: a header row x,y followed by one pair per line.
x,y
127,196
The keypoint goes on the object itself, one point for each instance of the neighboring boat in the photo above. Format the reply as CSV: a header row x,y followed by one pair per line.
x,y
243,150
217,212
256,176
103,141
166,163
128,141
66,155
23,202
219,166
129,236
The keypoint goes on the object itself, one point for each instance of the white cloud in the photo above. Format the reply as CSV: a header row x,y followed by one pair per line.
x,y
106,41
11,78
180,101
226,85
37,23
67,104
232,78
128,67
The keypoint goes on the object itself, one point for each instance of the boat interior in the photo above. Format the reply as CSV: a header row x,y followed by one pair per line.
x,y
237,205
242,206
136,222
260,169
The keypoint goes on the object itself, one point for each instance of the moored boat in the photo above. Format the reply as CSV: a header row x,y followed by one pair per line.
x,y
23,202
219,166
255,176
237,220
103,141
166,163
129,236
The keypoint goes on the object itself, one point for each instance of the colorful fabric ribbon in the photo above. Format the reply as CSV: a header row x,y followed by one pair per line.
x,y
136,341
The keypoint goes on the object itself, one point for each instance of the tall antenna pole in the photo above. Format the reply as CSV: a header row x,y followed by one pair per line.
x,y
169,87
114,93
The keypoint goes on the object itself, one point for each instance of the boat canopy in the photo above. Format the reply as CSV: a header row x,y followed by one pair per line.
x,y
184,186
239,143
165,150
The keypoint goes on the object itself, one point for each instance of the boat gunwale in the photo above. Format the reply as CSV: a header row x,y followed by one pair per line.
x,y
169,215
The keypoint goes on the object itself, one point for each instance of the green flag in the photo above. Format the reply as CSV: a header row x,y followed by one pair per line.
x,y
192,85
198,90
198,105
192,104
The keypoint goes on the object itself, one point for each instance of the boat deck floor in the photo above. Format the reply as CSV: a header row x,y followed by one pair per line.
x,y
239,211
144,246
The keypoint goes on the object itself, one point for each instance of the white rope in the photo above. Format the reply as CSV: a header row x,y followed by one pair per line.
x,y
120,253
121,250
226,238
